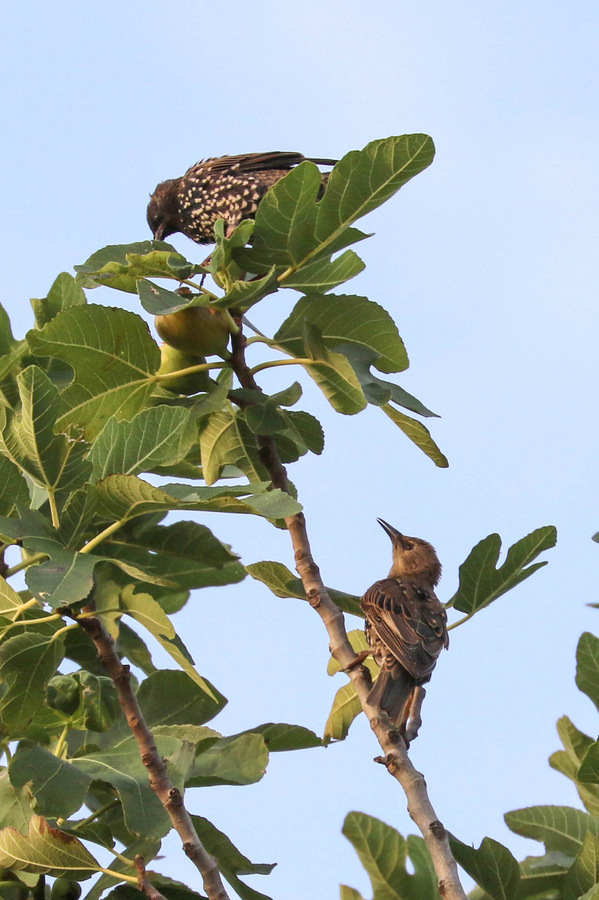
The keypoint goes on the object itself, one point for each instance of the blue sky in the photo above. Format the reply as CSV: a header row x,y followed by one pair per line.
x,y
487,261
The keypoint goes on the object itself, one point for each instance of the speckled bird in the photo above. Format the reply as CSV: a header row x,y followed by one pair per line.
x,y
227,187
406,625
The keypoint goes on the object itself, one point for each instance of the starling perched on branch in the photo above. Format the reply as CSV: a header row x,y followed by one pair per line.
x,y
228,187
405,629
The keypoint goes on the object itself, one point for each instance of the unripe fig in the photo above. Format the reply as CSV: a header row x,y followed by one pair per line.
x,y
174,360
63,889
196,330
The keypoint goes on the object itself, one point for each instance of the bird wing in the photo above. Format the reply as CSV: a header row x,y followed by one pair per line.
x,y
255,162
410,621
260,162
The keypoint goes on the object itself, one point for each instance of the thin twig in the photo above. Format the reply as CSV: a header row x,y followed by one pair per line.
x,y
167,793
396,757
145,885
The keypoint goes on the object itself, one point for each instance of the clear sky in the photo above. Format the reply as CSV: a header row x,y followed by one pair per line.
x,y
487,262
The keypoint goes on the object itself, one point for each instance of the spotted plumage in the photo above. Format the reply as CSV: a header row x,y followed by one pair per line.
x,y
406,625
227,187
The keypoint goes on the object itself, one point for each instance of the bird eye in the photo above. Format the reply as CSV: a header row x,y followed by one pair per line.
x,y
408,545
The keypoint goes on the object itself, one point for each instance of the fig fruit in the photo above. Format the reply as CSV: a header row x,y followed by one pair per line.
x,y
172,361
196,330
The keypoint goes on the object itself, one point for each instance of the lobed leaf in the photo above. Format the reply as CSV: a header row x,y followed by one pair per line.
x,y
492,866
345,319
561,828
46,850
113,357
481,582
383,852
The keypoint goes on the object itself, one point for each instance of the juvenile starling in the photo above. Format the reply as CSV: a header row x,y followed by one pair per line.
x,y
228,187
405,629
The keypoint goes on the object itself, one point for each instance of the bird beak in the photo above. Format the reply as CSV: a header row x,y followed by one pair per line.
x,y
393,533
159,233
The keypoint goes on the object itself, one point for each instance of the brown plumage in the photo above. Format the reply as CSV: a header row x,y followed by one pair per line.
x,y
405,625
227,187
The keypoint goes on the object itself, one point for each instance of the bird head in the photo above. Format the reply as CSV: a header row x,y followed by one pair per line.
x,y
413,558
163,212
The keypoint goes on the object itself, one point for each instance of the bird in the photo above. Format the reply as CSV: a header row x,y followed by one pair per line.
x,y
406,629
225,187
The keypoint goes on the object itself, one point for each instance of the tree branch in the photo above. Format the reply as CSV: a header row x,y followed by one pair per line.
x,y
167,793
396,757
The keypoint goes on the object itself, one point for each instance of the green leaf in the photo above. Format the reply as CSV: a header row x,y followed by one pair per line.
x,y
150,614
226,440
333,373
113,357
58,787
173,698
27,662
587,669
121,767
324,274
281,738
349,893
364,179
64,292
589,769
292,227
15,808
560,828
283,583
186,553
53,461
541,874
121,265
584,873
345,319
346,707
13,487
481,582
568,762
230,860
125,497
383,851
418,434
158,436
492,866
244,294
10,601
378,391
46,850
232,760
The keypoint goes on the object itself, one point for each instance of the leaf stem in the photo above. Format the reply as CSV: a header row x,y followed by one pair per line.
x,y
296,361
201,367
41,621
96,815
30,561
61,742
53,508
132,879
460,621
91,545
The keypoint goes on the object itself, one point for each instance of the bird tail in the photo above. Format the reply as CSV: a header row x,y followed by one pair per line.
x,y
393,695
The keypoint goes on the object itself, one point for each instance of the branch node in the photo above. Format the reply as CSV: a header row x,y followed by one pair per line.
x,y
174,797
438,830
380,759
314,598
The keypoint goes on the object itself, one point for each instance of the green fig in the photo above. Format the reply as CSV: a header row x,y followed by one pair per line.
x,y
196,330
173,361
